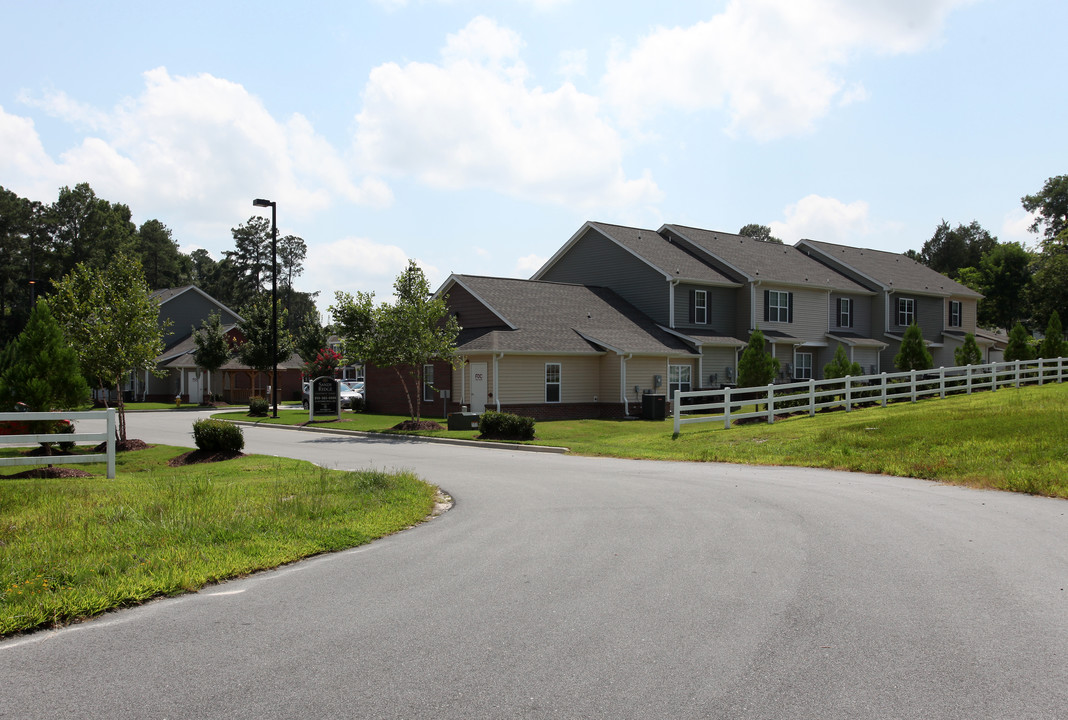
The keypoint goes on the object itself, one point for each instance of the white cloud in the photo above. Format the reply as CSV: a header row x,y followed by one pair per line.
x,y
474,121
825,219
1015,226
573,63
773,64
195,148
530,264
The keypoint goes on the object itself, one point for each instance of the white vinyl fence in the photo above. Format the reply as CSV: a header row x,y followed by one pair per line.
x,y
699,406
20,440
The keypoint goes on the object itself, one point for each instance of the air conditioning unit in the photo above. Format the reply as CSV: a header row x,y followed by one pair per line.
x,y
730,373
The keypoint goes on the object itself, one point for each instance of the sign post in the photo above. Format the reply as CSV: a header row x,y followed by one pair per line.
x,y
325,398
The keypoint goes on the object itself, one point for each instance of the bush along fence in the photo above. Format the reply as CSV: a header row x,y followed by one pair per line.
x,y
701,406
19,418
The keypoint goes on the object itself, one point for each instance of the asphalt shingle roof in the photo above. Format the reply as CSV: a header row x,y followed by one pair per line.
x,y
562,318
767,261
894,270
669,258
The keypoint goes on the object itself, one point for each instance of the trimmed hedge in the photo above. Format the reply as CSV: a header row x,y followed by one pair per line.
x,y
218,436
258,406
506,426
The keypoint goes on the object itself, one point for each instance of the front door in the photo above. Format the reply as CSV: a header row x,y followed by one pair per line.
x,y
479,387
196,390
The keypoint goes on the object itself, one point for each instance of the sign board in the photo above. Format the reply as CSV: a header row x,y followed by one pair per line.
x,y
325,398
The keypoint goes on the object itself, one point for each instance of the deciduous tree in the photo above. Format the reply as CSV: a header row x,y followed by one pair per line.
x,y
257,349
212,346
759,232
1050,206
414,330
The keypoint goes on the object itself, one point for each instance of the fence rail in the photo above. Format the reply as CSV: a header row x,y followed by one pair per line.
x,y
108,436
702,406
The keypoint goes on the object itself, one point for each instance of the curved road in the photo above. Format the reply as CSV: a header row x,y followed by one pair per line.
x,y
570,587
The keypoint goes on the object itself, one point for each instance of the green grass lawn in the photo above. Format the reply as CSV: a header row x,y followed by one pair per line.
x,y
76,547
1014,439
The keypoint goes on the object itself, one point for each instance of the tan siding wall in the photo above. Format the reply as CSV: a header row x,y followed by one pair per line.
x,y
716,360
609,371
810,314
523,378
640,372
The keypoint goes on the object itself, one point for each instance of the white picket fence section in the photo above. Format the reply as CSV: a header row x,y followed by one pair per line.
x,y
812,395
21,440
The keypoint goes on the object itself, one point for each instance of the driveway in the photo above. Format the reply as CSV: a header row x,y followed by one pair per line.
x,y
571,587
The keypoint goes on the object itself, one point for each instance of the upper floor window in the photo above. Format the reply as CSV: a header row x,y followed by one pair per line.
x,y
699,307
552,382
906,311
845,312
955,313
778,306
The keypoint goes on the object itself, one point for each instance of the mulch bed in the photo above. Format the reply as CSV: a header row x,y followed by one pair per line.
x,y
52,472
195,457
418,425
122,446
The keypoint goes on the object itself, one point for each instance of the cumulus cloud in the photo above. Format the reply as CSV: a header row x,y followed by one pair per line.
x,y
530,264
475,120
196,146
825,219
773,65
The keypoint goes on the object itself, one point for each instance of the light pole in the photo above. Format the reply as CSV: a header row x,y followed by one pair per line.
x,y
260,202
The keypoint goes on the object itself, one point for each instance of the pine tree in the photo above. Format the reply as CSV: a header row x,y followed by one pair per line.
x,y
913,354
1019,347
42,368
968,353
756,366
840,366
1054,346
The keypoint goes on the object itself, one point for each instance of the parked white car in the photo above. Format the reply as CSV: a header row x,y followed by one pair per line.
x,y
351,390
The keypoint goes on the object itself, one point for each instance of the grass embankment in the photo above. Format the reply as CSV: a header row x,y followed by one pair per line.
x,y
1013,439
77,547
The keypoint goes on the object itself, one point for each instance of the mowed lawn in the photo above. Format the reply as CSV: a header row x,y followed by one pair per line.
x,y
1012,439
72,548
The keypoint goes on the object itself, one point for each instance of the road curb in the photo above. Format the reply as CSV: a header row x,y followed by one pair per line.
x,y
412,438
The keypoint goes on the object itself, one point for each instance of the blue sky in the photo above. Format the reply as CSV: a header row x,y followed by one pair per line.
x,y
477,136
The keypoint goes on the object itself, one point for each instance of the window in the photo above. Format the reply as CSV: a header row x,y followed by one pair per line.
x,y
699,307
428,383
552,382
845,312
678,379
954,313
778,306
906,311
802,366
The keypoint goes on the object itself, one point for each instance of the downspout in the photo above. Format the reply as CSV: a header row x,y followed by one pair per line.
x,y
496,384
623,383
752,307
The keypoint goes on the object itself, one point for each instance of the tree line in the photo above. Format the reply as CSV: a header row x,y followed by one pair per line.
x,y
42,243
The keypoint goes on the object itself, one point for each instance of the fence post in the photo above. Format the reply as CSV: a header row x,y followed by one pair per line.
x,y
882,394
913,379
942,382
1017,368
1041,373
726,408
812,397
968,382
849,394
771,403
111,443
675,414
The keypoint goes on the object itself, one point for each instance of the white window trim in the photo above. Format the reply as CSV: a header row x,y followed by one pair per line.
x,y
428,383
959,314
559,383
681,370
700,307
845,317
910,303
798,366
777,312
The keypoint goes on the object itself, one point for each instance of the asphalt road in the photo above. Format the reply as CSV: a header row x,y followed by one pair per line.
x,y
570,587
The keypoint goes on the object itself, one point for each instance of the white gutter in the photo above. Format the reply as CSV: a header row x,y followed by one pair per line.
x,y
496,383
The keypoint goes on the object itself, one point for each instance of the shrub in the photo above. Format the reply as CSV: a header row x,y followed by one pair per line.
x,y
218,436
258,406
506,426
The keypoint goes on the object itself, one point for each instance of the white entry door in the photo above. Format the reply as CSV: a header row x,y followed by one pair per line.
x,y
196,390
479,387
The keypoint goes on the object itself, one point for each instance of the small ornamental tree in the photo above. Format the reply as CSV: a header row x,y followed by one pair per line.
x,y
43,370
968,353
213,348
1019,347
256,350
913,354
325,364
1054,346
840,366
756,366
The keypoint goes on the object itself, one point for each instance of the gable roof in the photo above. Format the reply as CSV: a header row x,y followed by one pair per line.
x,y
560,318
758,261
889,271
166,295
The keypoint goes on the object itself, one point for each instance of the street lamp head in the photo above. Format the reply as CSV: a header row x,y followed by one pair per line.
x,y
260,202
